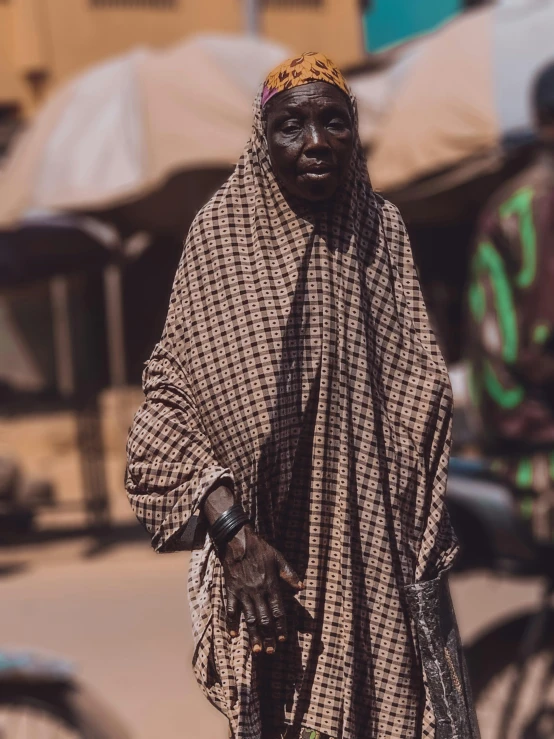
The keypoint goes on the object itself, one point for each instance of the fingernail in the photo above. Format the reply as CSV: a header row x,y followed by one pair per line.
x,y
270,650
282,638
300,586
256,649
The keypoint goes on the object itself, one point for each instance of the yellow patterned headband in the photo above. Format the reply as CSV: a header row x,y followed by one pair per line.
x,y
309,67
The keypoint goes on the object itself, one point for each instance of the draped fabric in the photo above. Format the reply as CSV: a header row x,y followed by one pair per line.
x,y
297,364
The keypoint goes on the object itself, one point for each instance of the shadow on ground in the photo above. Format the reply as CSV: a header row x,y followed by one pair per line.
x,y
98,541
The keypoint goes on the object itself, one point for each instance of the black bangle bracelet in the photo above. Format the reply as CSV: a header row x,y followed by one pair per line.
x,y
227,525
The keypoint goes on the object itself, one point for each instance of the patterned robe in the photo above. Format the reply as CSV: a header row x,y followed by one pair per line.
x,y
297,365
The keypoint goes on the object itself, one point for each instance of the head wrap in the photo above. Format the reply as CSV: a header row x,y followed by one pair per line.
x,y
309,67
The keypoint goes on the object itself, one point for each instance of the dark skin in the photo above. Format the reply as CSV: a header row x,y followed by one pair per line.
x,y
310,136
252,570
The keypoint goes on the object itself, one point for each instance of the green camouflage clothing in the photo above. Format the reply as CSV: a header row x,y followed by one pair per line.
x,y
511,308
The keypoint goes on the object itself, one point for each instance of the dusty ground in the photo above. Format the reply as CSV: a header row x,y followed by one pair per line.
x,y
123,619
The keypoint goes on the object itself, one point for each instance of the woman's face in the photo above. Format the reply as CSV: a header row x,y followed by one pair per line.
x,y
310,134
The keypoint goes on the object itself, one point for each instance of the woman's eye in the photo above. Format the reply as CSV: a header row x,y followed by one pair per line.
x,y
290,127
337,123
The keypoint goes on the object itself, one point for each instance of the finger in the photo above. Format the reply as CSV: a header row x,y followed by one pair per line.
x,y
265,622
233,613
252,624
278,612
287,573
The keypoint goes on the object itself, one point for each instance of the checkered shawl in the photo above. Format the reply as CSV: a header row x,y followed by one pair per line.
x,y
297,364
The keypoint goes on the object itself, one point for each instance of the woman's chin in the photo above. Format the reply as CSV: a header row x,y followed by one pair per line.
x,y
317,188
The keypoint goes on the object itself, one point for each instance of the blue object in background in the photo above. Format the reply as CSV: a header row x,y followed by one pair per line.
x,y
389,22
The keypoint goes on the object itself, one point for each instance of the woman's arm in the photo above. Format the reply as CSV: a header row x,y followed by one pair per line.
x,y
172,474
170,463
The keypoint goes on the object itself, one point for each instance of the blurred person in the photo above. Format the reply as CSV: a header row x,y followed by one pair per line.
x,y
511,310
299,406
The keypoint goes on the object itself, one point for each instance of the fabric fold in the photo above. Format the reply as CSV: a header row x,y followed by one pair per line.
x,y
167,480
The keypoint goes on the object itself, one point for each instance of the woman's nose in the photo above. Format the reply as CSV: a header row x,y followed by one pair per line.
x,y
315,138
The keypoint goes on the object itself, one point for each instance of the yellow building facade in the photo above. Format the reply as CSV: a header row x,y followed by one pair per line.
x,y
43,42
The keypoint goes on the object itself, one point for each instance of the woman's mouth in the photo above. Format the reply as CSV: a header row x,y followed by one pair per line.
x,y
316,175
317,172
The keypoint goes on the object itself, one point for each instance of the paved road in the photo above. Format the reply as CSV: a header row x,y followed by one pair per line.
x,y
123,618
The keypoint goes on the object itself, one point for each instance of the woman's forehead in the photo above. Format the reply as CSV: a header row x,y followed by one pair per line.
x,y
322,93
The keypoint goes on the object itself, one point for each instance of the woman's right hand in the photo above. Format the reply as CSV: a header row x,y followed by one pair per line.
x,y
253,572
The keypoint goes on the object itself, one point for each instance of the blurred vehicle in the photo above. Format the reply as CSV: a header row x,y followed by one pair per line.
x,y
511,665
41,697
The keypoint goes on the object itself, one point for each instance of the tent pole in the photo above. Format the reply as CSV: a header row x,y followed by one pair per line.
x,y
252,16
115,324
63,343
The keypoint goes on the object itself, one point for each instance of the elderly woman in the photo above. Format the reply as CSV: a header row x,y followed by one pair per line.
x,y
298,408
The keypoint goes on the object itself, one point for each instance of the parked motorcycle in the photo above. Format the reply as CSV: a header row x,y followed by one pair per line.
x,y
511,666
42,697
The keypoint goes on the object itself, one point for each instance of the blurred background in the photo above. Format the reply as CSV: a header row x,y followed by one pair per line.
x,y
118,120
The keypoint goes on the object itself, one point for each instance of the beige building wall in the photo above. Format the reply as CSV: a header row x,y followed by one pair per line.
x,y
333,27
82,34
12,87
43,42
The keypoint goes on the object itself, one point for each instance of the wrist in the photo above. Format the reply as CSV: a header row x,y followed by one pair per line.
x,y
227,526
217,502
